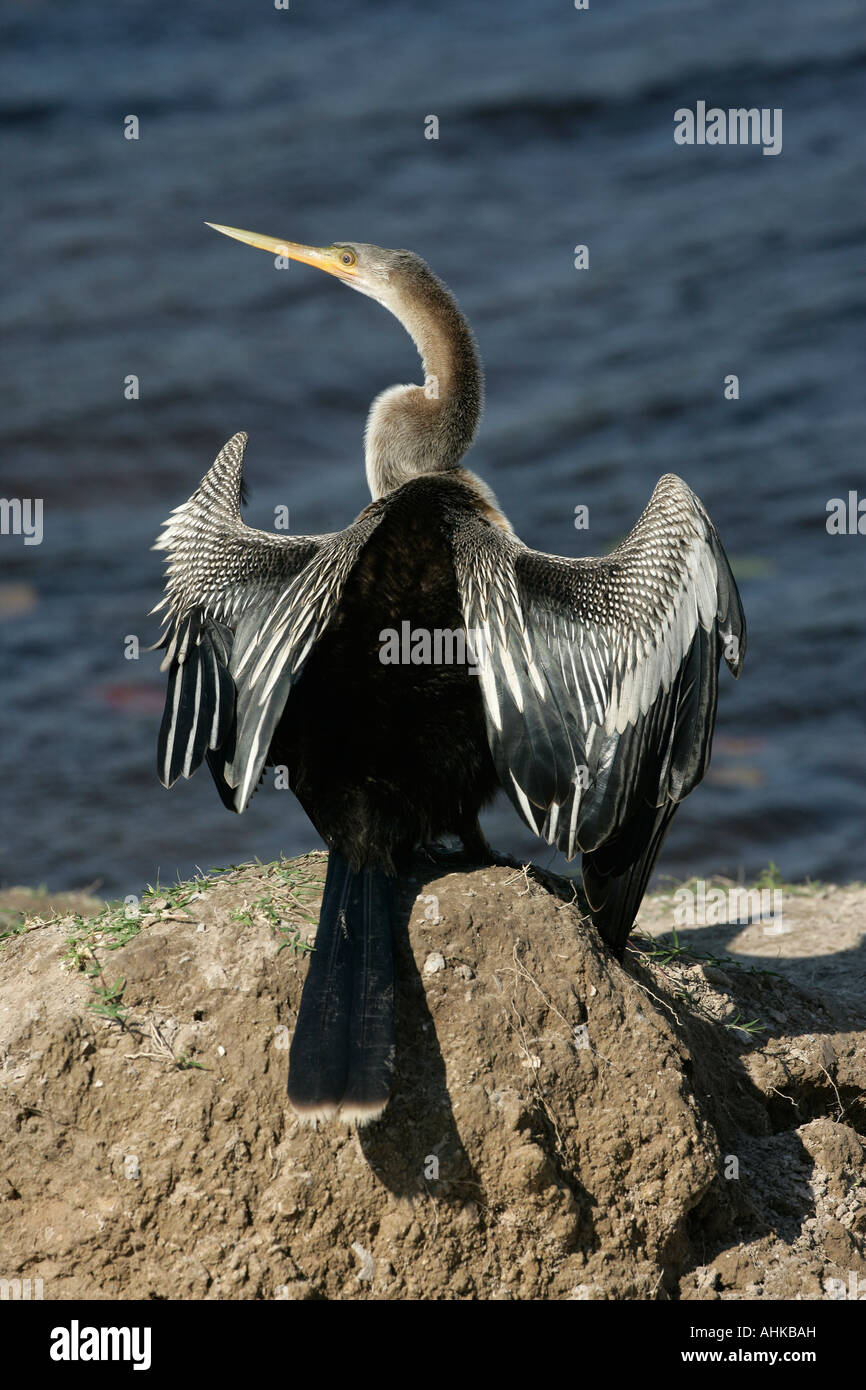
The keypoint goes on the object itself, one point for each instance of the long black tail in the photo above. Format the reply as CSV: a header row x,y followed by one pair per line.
x,y
342,1054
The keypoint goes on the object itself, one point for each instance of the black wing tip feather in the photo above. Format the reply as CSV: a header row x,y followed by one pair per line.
x,y
730,618
614,898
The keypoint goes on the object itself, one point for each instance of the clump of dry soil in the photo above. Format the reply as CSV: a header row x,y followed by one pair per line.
x,y
561,1127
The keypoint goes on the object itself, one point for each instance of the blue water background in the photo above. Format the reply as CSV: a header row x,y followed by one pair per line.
x,y
555,128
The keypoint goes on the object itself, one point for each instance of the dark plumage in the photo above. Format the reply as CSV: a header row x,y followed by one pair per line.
x,y
592,701
386,756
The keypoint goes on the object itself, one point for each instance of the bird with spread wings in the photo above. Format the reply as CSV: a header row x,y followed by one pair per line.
x,y
591,701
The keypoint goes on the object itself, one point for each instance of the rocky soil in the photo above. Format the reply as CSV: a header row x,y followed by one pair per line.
x,y
685,1126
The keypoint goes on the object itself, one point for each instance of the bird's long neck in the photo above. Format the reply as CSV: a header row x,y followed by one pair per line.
x,y
426,429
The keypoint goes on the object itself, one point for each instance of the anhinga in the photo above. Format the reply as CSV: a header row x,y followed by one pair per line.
x,y
592,699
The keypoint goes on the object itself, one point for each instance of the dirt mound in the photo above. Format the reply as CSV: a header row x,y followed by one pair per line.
x,y
561,1127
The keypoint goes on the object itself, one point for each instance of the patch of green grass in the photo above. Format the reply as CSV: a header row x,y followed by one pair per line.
x,y
115,926
18,928
110,929
119,922
752,1028
661,952
175,895
290,907
770,877
281,917
108,1002
295,943
292,903
184,1062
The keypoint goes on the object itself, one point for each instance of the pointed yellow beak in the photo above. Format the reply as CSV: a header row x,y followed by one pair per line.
x,y
336,260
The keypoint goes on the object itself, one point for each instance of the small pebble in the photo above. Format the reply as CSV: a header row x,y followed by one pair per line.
x,y
367,1265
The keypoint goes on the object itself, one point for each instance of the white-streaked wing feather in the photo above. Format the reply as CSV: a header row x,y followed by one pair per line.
x,y
598,689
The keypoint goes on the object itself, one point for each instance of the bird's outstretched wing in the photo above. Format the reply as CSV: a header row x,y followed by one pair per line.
x,y
244,609
599,679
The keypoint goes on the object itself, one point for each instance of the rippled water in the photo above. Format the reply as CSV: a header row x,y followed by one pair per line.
x,y
556,128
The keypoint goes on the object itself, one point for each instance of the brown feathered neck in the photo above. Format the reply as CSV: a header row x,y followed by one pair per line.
x,y
413,430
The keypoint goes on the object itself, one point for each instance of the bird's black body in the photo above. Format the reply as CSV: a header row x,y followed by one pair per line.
x,y
384,756
585,688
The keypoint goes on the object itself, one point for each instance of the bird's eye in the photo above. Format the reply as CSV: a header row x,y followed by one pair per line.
x,y
347,257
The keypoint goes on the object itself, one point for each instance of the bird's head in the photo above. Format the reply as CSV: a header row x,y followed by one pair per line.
x,y
372,270
417,428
